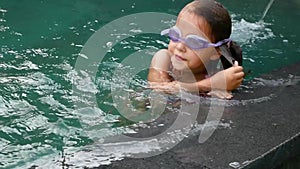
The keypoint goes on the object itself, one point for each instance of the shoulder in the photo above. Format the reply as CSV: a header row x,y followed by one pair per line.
x,y
160,66
163,53
161,59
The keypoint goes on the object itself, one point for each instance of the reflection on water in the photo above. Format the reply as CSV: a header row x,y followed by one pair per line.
x,y
38,116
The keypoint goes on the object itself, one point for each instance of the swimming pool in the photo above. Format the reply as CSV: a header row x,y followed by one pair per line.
x,y
41,41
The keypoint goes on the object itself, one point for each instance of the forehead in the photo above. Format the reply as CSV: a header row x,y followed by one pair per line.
x,y
190,23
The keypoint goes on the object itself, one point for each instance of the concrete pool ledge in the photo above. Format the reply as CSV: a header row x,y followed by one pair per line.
x,y
262,133
278,155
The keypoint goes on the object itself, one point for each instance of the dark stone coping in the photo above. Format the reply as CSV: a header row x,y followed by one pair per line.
x,y
263,134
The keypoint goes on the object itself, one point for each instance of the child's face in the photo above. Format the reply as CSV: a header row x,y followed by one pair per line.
x,y
182,56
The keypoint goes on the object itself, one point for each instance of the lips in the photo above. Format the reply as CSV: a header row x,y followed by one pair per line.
x,y
179,58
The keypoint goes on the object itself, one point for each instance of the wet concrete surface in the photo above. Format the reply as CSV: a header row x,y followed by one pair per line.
x,y
263,121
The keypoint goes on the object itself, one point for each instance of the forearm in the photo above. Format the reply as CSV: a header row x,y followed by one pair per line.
x,y
158,76
175,86
204,85
199,86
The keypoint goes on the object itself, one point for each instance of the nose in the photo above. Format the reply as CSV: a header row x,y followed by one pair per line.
x,y
180,46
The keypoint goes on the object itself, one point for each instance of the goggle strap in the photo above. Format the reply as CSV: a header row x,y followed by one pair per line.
x,y
221,42
164,32
227,54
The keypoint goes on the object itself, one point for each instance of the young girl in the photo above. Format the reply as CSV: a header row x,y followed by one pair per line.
x,y
199,38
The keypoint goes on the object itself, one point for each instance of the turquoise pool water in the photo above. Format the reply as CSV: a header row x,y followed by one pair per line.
x,y
40,41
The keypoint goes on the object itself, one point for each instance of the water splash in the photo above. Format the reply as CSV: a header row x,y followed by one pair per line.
x,y
247,33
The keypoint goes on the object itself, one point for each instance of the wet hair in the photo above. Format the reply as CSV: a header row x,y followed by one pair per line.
x,y
220,23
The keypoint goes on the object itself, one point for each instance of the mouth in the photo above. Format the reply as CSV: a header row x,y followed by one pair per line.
x,y
179,58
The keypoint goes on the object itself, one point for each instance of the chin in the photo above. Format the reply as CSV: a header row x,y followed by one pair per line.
x,y
178,65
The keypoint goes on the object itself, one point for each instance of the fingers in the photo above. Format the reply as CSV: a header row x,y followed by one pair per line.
x,y
239,75
220,94
235,68
238,69
228,95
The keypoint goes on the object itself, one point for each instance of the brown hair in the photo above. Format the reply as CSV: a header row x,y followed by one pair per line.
x,y
216,16
220,23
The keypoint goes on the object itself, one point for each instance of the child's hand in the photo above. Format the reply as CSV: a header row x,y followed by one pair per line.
x,y
228,79
167,87
222,94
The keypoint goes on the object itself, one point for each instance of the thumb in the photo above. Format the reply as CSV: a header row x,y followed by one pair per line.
x,y
236,63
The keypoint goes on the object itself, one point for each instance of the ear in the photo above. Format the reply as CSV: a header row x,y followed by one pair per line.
x,y
216,54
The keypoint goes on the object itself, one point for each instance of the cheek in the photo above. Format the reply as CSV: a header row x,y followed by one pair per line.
x,y
196,59
171,46
207,54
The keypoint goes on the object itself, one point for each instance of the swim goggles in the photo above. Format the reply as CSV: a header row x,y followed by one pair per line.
x,y
194,42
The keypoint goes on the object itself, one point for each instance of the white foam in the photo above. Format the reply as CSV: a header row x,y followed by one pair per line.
x,y
3,10
247,33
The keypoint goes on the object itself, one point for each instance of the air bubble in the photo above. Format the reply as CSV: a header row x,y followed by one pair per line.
x,y
109,44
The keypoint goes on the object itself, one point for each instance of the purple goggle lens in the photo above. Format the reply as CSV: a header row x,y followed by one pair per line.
x,y
194,42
